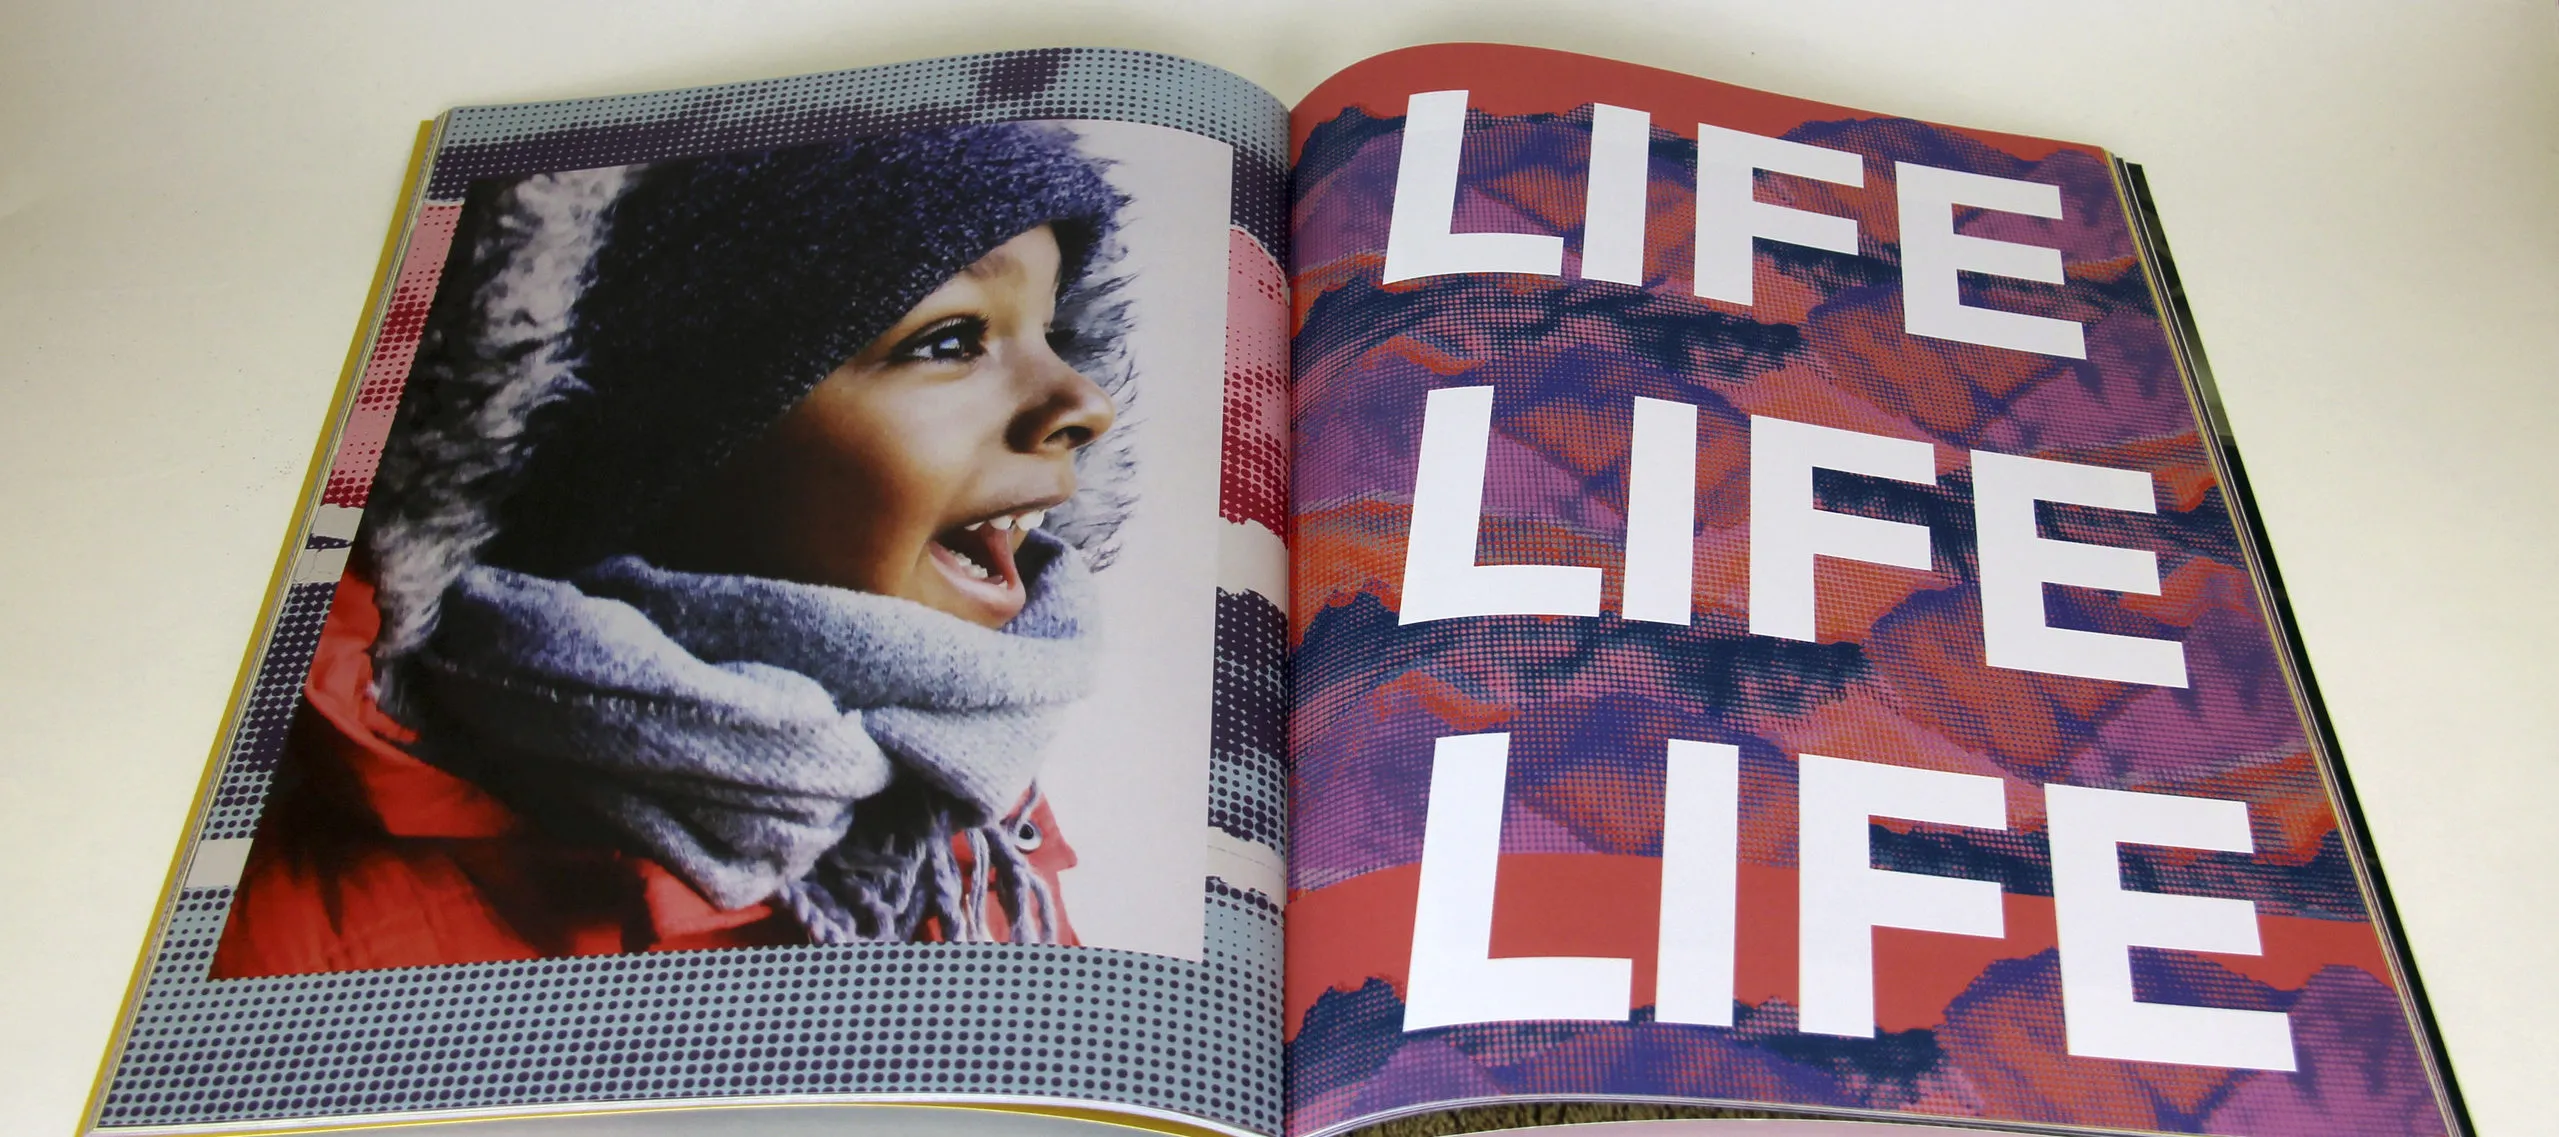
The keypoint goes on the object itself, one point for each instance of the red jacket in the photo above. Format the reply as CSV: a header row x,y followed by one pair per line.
x,y
367,857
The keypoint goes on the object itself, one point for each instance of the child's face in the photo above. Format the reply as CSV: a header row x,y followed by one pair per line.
x,y
915,468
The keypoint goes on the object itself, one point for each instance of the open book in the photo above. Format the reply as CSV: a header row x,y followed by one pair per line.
x,y
1052,583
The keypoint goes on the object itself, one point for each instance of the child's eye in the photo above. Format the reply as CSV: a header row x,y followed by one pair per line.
x,y
1062,340
954,340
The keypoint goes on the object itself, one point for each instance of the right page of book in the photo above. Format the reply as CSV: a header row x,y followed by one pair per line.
x,y
1773,625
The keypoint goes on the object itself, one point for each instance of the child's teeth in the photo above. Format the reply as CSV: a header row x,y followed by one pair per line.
x,y
974,526
1032,519
1001,523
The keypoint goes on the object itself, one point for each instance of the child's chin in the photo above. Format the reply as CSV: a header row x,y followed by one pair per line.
x,y
979,614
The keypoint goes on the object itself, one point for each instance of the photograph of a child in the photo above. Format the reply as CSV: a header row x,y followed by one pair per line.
x,y
740,558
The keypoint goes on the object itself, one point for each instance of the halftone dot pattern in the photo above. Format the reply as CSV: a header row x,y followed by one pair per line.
x,y
1248,767
1065,83
1897,673
1559,800
985,1020
1253,483
386,368
1248,778
258,738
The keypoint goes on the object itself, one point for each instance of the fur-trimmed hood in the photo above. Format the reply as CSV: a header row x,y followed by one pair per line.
x,y
603,339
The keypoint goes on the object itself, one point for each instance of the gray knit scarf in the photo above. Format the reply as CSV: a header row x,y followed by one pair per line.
x,y
815,746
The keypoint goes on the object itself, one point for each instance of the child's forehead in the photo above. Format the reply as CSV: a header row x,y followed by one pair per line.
x,y
1015,256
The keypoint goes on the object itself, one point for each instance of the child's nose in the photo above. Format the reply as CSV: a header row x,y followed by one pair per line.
x,y
1063,410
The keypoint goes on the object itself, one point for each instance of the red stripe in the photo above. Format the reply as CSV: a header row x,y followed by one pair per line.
x,y
386,369
1505,80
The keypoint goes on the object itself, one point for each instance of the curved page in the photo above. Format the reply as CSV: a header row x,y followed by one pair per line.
x,y
781,622
1773,627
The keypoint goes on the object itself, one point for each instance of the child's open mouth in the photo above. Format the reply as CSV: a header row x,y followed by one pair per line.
x,y
977,559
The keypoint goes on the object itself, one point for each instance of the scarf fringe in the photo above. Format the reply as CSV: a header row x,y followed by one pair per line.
x,y
887,904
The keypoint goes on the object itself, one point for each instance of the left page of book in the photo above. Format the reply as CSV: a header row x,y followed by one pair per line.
x,y
788,613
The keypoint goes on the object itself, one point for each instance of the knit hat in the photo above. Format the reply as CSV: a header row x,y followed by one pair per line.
x,y
726,288
603,340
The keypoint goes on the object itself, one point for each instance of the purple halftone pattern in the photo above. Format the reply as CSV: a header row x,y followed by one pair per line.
x,y
1897,674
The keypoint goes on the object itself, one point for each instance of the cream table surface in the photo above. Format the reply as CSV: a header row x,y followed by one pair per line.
x,y
2363,198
